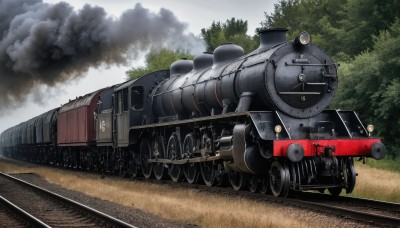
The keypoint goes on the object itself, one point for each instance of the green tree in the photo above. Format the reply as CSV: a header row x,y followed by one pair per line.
x,y
320,18
157,60
364,19
233,30
344,28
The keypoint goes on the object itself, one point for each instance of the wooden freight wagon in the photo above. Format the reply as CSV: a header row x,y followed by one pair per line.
x,y
75,124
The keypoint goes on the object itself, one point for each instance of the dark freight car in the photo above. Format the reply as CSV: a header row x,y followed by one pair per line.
x,y
49,126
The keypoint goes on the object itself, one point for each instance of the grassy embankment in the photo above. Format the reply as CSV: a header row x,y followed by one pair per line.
x,y
378,180
184,205
385,164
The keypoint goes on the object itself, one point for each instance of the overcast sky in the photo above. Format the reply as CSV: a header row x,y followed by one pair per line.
x,y
196,14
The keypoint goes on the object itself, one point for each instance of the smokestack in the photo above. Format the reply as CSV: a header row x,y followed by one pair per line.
x,y
271,37
47,44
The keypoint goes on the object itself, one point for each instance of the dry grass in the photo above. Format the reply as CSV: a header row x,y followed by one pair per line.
x,y
378,184
185,205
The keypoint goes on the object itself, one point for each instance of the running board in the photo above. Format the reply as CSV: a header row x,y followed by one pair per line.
x,y
185,161
308,187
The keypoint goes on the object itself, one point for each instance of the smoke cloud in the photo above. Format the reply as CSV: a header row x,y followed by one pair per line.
x,y
46,44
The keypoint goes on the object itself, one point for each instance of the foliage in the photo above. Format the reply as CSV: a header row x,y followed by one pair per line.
x,y
344,28
320,18
363,20
157,60
233,30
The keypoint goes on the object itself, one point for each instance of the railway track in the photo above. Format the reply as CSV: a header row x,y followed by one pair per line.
x,y
372,212
47,209
373,206
13,216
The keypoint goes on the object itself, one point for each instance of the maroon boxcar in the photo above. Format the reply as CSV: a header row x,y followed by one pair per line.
x,y
75,124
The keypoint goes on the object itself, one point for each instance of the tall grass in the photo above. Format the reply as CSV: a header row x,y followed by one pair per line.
x,y
385,164
374,183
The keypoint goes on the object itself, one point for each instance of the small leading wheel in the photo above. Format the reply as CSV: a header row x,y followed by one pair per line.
x,y
173,151
335,191
236,180
254,183
145,155
349,174
190,170
158,150
208,172
279,179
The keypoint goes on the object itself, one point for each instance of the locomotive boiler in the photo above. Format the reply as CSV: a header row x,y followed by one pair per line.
x,y
298,79
256,120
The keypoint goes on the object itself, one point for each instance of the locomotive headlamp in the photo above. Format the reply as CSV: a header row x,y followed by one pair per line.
x,y
370,128
303,38
278,129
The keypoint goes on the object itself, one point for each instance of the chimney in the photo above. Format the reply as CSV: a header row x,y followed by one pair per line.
x,y
271,37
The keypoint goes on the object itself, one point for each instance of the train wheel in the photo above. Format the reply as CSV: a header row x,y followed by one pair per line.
x,y
349,174
134,169
190,170
264,185
175,171
145,155
173,150
335,191
236,180
208,172
158,170
254,183
279,179
158,150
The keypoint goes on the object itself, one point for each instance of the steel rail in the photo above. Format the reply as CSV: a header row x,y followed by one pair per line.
x,y
32,220
348,213
98,214
390,206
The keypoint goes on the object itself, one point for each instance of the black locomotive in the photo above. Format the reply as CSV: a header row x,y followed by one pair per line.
x,y
258,120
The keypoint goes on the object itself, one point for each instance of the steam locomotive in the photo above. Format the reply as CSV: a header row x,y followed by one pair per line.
x,y
257,120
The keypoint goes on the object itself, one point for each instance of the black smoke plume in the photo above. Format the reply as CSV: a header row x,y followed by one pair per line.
x,y
46,44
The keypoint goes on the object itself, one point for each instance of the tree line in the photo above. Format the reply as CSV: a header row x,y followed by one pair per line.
x,y
363,36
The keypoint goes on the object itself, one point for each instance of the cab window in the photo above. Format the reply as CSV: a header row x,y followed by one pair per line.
x,y
125,106
118,106
137,97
